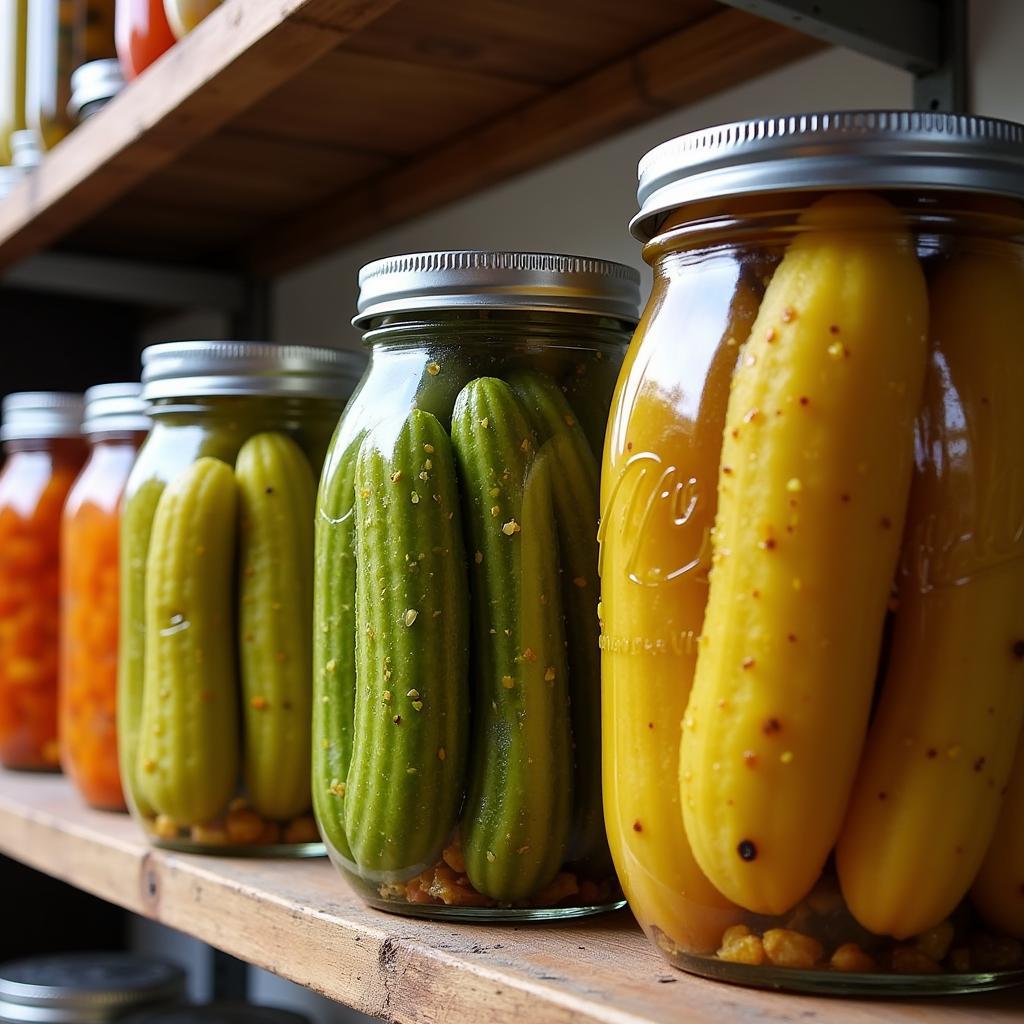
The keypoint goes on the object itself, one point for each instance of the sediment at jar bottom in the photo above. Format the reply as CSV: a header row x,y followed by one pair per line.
x,y
188,733
658,506
411,717
941,747
276,499
518,808
812,496
575,506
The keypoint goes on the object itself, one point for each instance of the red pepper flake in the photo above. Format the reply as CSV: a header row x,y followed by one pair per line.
x,y
650,725
735,432
771,726
769,543
727,470
791,637
629,446
747,850
637,827
833,329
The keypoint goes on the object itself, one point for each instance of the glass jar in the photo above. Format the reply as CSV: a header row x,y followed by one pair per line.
x,y
13,51
216,593
457,510
115,425
40,434
85,988
49,67
812,576
141,34
184,15
93,37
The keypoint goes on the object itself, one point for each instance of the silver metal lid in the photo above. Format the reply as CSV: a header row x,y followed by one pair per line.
x,y
217,1013
26,149
477,279
84,988
187,369
96,82
890,149
29,414
111,407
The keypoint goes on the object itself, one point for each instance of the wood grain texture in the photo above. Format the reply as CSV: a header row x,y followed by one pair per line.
x,y
299,920
718,51
242,51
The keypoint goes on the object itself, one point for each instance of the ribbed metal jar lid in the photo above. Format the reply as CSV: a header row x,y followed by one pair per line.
x,y
95,82
217,1013
26,149
192,369
84,988
479,279
888,149
43,414
111,407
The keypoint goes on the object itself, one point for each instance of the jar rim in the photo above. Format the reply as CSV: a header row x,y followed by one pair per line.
x,y
27,415
838,150
475,279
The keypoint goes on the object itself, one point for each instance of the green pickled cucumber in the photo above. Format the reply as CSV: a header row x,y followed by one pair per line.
x,y
136,531
334,630
516,820
405,782
188,742
576,517
276,498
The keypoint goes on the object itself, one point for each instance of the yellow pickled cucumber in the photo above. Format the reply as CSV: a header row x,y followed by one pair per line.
x,y
998,892
276,498
812,491
941,745
188,734
658,507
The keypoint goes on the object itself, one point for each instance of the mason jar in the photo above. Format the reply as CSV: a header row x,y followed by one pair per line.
x,y
456,681
213,709
41,435
812,576
115,426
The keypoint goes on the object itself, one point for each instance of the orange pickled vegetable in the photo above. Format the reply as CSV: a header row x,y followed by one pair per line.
x,y
34,483
89,629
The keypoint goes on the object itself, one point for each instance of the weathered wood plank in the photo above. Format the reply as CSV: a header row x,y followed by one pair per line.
x,y
299,920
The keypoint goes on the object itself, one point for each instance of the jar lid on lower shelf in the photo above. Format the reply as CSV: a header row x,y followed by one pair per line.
x,y
84,988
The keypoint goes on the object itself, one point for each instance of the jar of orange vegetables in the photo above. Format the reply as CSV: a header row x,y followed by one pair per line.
x,y
40,432
813,556
115,426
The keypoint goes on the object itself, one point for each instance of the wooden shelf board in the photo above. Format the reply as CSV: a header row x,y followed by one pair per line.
x,y
299,920
277,131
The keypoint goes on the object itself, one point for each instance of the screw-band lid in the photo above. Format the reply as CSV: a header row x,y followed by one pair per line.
x,y
110,407
42,414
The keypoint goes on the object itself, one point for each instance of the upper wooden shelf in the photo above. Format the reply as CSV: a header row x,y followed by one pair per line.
x,y
298,919
278,131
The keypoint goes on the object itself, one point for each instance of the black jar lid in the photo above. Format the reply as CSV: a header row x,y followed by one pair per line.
x,y
84,988
217,1013
851,149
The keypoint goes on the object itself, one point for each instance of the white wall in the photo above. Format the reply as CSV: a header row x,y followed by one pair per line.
x,y
581,204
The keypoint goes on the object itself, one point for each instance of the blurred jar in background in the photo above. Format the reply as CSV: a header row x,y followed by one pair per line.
x,y
141,34
115,426
48,70
13,41
93,36
184,15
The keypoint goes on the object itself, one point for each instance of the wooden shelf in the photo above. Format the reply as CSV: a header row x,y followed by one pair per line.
x,y
298,919
276,132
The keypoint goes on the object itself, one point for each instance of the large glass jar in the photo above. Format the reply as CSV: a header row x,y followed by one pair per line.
x,y
40,434
115,425
213,709
49,67
13,50
813,557
141,33
456,588
184,15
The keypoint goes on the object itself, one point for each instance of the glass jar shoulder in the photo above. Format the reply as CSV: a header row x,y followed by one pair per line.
x,y
103,478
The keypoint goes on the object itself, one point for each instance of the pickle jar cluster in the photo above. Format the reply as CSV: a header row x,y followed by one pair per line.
x,y
812,543
115,426
216,593
44,450
456,740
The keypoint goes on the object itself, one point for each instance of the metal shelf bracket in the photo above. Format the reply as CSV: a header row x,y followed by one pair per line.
x,y
928,38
